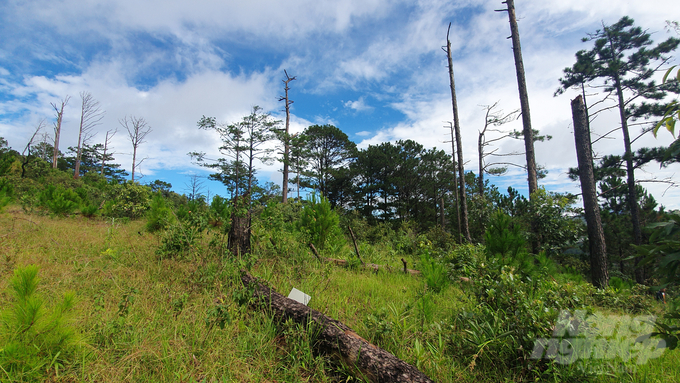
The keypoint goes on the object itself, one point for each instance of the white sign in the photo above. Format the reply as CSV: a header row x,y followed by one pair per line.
x,y
299,296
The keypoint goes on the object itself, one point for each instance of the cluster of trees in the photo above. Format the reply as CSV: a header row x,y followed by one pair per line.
x,y
404,181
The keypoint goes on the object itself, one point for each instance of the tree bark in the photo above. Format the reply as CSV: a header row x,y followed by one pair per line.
x,y
239,234
598,250
335,338
456,125
630,173
455,182
57,129
524,100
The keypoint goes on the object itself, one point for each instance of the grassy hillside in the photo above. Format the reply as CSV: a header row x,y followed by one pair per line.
x,y
144,315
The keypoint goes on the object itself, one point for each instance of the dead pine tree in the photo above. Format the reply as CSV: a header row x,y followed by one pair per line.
x,y
90,116
286,137
496,119
456,125
105,154
57,128
26,154
523,98
455,179
137,129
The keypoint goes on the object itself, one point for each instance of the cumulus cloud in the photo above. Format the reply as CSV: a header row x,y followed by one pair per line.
x,y
172,62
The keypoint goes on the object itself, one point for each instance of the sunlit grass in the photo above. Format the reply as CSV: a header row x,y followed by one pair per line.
x,y
147,319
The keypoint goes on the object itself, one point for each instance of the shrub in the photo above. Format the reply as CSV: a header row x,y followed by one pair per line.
x,y
35,340
160,215
318,222
433,272
59,200
5,193
128,199
89,210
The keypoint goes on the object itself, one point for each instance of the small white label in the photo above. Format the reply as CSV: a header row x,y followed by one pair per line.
x,y
299,296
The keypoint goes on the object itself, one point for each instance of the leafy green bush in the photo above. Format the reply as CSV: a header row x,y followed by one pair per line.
x,y
59,200
128,199
219,213
5,193
318,222
503,237
160,215
35,341
182,237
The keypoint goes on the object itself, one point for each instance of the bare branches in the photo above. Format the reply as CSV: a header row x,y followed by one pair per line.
x,y
38,128
59,110
286,136
90,116
107,140
137,129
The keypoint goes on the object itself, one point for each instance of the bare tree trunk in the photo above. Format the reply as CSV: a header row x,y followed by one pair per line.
x,y
598,250
137,129
57,128
108,138
480,150
335,338
90,116
630,173
523,99
286,142
455,181
456,126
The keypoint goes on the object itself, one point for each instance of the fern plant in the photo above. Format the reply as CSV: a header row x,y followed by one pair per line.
x,y
35,340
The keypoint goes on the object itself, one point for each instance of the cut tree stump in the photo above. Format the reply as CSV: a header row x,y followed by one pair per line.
x,y
335,338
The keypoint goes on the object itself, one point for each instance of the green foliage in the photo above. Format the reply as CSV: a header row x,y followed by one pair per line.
x,y
182,238
433,272
59,200
219,213
664,251
35,340
672,114
318,222
159,216
6,190
128,199
89,210
503,237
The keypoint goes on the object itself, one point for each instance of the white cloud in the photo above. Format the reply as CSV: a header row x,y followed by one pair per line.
x,y
358,105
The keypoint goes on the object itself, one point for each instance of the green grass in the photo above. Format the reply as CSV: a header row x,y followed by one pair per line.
x,y
146,319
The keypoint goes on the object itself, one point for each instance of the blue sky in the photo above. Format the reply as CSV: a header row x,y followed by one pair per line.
x,y
373,68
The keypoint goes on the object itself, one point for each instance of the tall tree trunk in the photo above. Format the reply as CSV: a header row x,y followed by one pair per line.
x,y
286,143
455,181
480,179
76,173
630,173
456,126
524,100
598,250
134,161
57,129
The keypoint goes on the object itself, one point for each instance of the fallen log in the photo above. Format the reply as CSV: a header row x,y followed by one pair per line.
x,y
375,267
335,338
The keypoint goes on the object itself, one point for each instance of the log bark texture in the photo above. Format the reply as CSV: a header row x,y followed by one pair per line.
x,y
335,338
